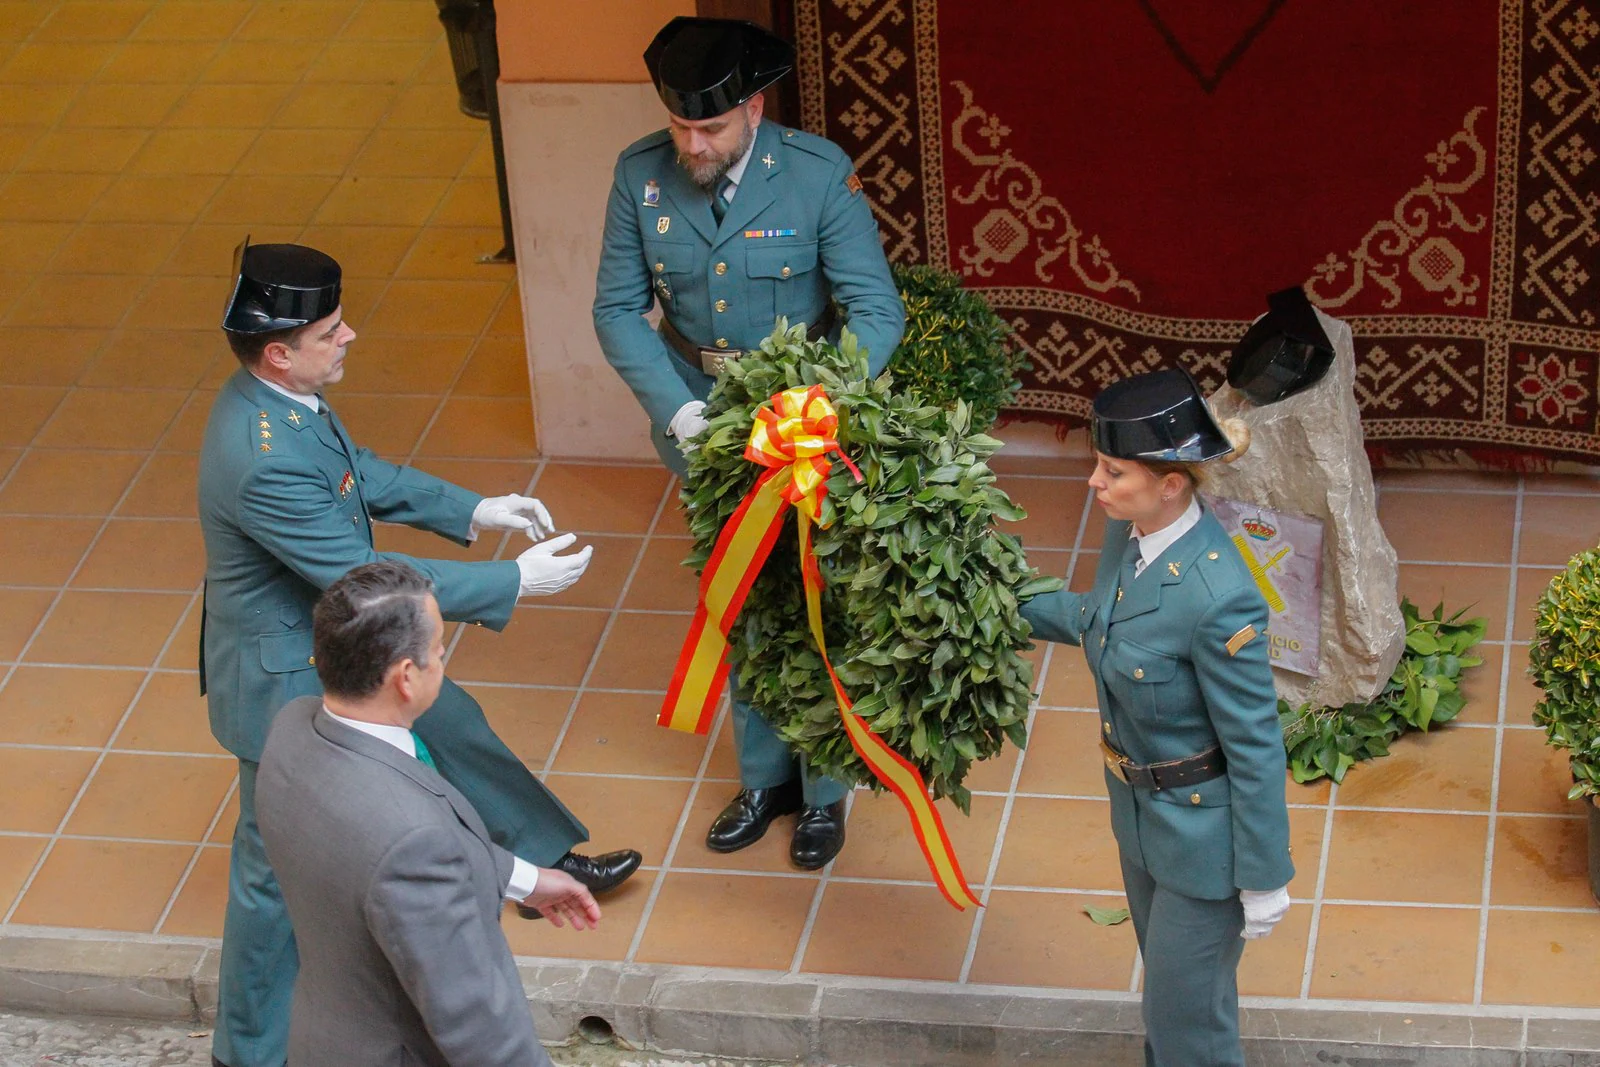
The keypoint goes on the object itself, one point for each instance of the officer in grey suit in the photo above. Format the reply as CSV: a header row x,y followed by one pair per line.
x,y
728,221
1174,631
286,507
391,878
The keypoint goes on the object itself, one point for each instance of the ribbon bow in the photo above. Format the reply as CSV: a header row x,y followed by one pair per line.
x,y
793,436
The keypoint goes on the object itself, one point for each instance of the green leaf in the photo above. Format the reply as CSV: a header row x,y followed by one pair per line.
x,y
1106,916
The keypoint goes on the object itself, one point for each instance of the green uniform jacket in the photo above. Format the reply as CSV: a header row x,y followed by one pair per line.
x,y
1177,673
286,506
798,232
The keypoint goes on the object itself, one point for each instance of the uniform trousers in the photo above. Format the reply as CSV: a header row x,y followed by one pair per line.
x,y
1191,951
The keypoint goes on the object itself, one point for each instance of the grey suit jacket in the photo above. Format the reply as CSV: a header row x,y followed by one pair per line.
x,y
394,890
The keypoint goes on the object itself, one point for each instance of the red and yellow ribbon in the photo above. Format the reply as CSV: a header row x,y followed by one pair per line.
x,y
792,437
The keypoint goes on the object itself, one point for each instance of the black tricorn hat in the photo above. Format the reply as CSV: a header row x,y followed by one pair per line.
x,y
1283,352
278,287
707,67
1156,416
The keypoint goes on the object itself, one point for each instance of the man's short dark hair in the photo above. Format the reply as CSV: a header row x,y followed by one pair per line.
x,y
249,346
366,622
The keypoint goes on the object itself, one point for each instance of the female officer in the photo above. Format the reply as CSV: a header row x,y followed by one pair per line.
x,y
1174,634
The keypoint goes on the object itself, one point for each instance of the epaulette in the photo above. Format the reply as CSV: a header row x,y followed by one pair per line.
x,y
261,434
811,143
647,142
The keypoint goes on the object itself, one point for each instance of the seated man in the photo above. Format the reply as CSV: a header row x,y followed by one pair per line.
x,y
391,880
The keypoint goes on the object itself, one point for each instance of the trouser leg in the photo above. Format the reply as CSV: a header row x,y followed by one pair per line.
x,y
259,958
765,760
1191,951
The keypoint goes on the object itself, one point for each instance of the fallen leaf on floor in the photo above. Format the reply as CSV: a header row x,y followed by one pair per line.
x,y
1106,916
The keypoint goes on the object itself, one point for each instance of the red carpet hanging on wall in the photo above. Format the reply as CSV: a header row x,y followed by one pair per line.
x,y
1127,179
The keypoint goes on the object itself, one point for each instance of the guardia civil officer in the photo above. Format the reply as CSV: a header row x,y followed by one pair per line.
x,y
287,501
728,221
1174,632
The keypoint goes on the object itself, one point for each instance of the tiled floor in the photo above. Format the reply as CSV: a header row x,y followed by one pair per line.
x,y
140,140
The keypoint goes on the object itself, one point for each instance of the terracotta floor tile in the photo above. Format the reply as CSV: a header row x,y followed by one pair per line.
x,y
20,612
25,245
8,459
1531,585
31,355
507,321
616,733
1555,528
1060,844
1541,862
601,584
662,582
112,418
490,477
769,855
294,20
673,521
414,153
18,21
397,363
624,812
993,775
382,201
110,105
1444,768
390,537
68,483
724,762
282,200
222,833
155,198
168,798
27,408
390,20
15,144
64,706
1521,693
1534,777
1481,590
42,551
117,629
452,252
1068,682
1064,755
881,845
389,425
165,488
1377,953
601,499
441,307
267,62
59,62
469,202
620,911
1447,480
641,651
1481,525
170,717
183,650
47,198
926,940
541,646
1381,855
157,61
1054,508
1541,957
96,20
145,554
18,855
203,900
41,784
179,304
16,298
1275,966
1305,848
306,153
1480,686
527,720
117,248
1046,939
35,104
188,429
69,152
484,427
712,920
69,889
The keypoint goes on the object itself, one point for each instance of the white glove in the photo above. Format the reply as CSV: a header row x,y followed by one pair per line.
x,y
512,513
687,422
545,573
1262,910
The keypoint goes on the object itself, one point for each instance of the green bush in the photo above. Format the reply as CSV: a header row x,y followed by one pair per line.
x,y
920,608
955,347
1564,661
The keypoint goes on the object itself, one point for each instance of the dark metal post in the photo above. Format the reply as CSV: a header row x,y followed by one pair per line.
x,y
489,69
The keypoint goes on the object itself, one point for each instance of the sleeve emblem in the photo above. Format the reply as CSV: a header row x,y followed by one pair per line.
x,y
1240,639
853,183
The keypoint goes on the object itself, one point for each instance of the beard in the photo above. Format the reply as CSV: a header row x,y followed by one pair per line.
x,y
706,173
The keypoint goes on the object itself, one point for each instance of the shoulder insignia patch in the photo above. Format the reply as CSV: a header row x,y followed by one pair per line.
x,y
1240,639
853,183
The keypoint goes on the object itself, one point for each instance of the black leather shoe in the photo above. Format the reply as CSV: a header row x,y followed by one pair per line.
x,y
818,836
598,873
744,821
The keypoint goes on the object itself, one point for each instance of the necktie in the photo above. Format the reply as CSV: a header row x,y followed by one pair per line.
x,y
1130,566
423,755
1138,557
719,199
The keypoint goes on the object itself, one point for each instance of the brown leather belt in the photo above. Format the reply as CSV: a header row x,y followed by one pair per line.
x,y
709,359
1171,774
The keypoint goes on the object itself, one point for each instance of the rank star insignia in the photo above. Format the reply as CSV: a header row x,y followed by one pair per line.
x,y
768,160
652,193
294,417
346,484
265,447
266,435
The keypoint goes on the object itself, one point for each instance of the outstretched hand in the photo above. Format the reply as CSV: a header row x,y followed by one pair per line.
x,y
563,899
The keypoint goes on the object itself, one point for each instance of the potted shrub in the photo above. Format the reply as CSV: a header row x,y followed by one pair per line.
x,y
1564,661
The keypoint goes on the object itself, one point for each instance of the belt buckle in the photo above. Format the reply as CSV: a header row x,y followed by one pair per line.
x,y
1115,762
711,360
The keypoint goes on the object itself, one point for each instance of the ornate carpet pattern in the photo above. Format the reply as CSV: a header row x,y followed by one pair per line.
x,y
1126,181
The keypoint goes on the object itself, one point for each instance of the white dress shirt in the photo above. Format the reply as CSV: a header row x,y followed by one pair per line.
x,y
735,173
310,400
1152,545
524,875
